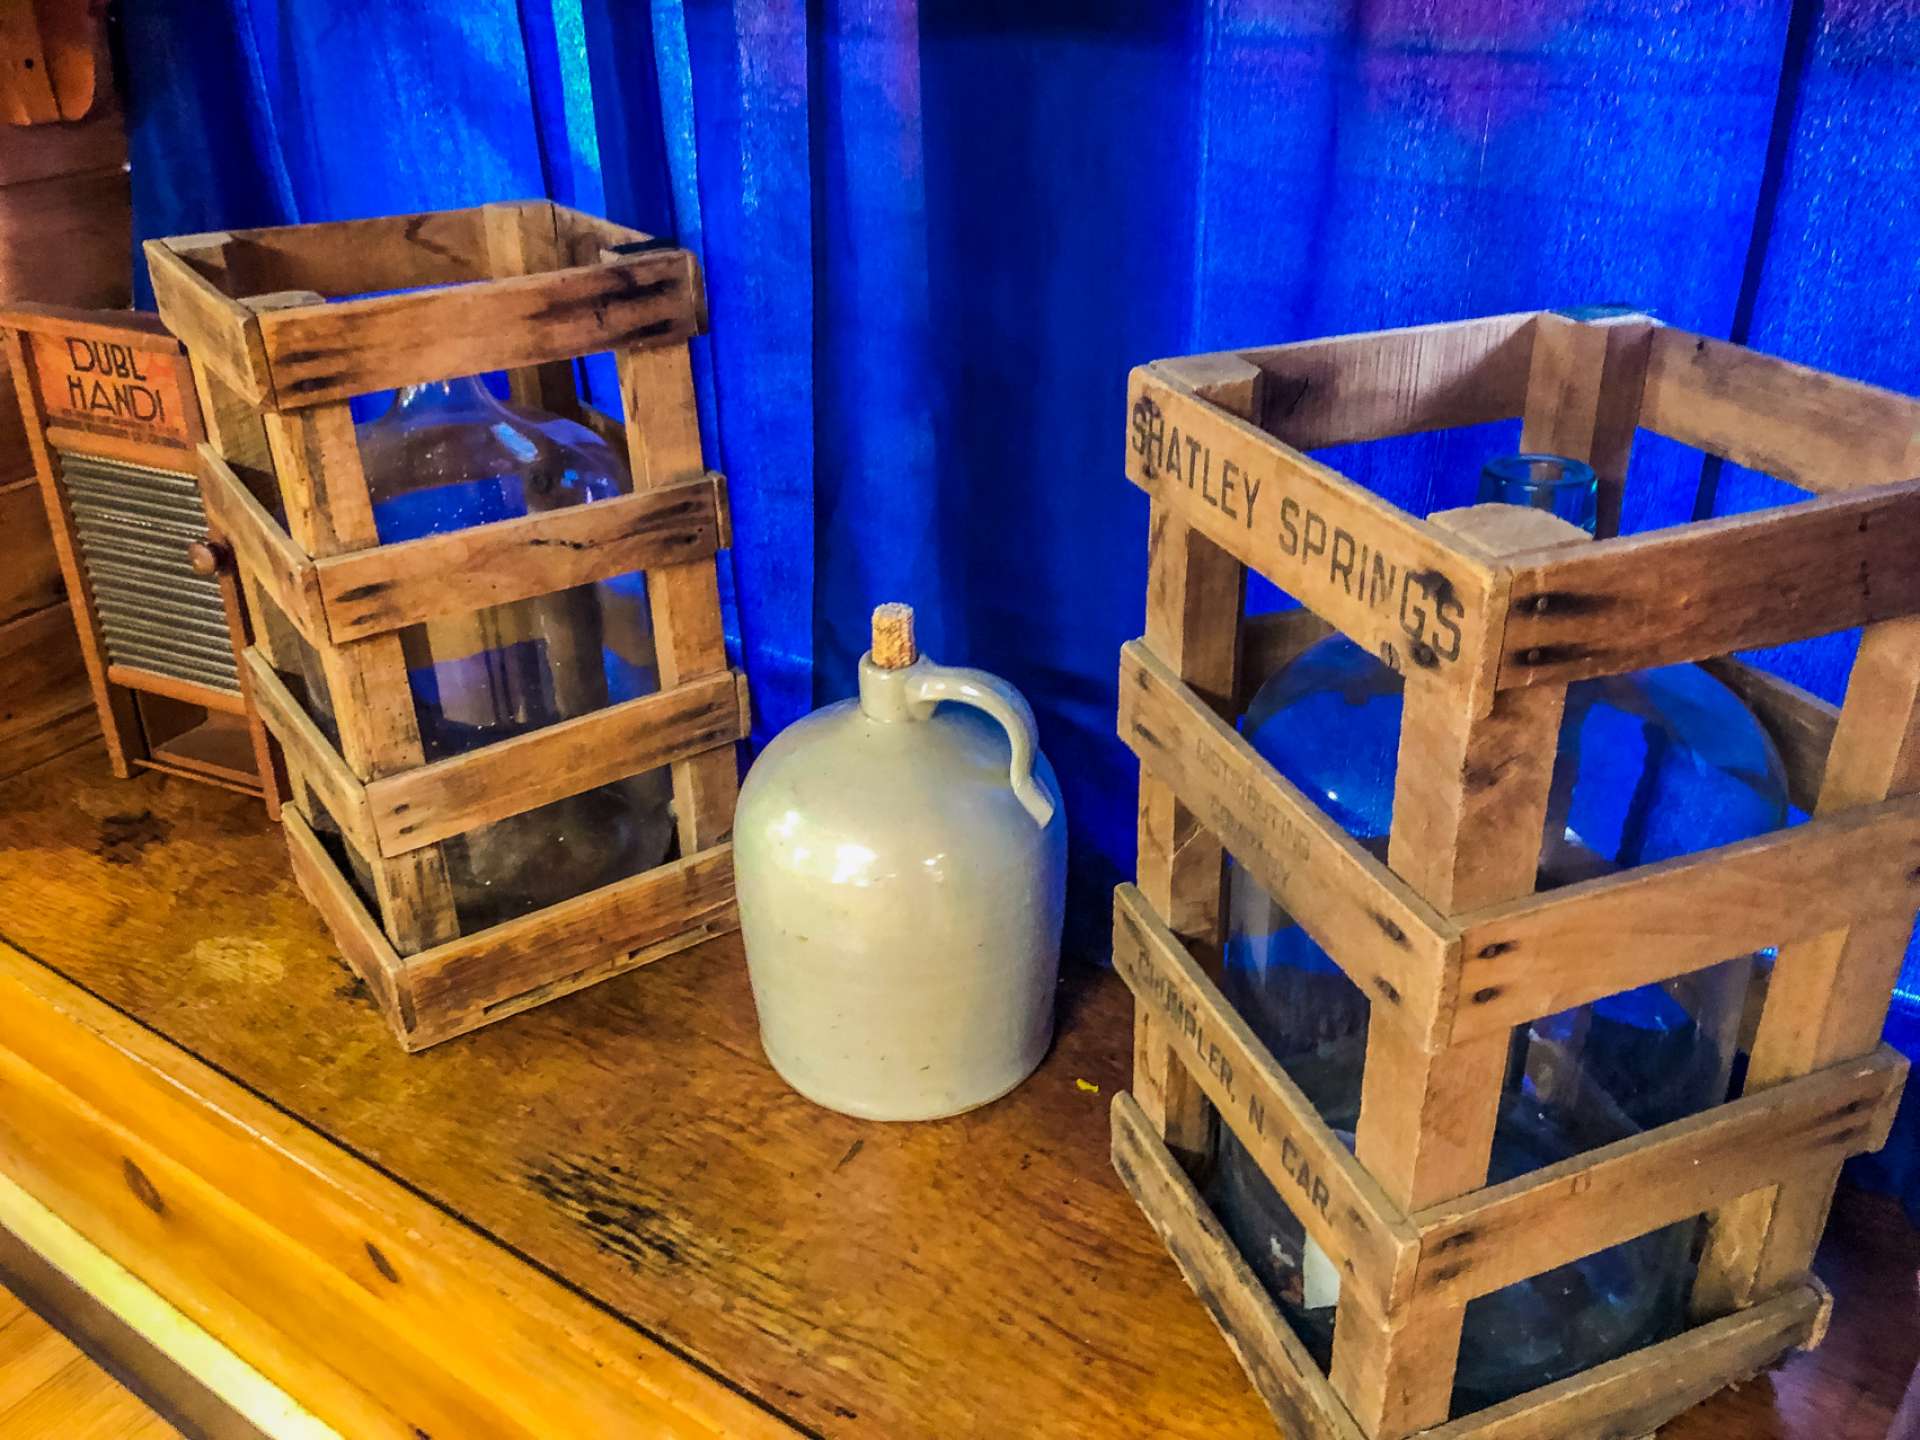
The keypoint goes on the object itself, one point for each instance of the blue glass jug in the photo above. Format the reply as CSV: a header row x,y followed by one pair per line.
x,y
1651,766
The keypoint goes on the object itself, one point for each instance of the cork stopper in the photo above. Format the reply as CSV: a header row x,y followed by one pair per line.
x,y
893,647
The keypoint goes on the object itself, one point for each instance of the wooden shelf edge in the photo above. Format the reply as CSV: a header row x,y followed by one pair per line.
x,y
361,1299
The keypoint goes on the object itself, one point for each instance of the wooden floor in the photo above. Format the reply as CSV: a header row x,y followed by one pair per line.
x,y
50,1391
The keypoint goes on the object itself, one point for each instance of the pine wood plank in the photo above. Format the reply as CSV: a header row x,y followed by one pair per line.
x,y
320,354
30,579
309,753
1809,428
1390,582
1584,395
1195,601
523,238
1546,953
221,334
1640,1392
1708,588
264,550
1390,941
1469,808
369,592
1504,1233
1342,388
663,439
1829,995
296,1256
1337,1201
330,512
1275,1361
509,777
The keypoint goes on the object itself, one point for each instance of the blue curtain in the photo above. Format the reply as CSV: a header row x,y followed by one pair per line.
x,y
936,236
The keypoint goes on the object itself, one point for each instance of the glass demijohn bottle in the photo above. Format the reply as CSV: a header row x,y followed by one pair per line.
x,y
1651,766
447,456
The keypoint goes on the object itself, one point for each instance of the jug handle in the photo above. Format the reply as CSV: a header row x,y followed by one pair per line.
x,y
932,684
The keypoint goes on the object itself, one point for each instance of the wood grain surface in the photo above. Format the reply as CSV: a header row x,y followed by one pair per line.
x,y
984,1276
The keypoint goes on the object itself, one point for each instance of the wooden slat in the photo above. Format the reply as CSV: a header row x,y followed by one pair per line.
x,y
30,578
45,684
1393,382
1469,808
1641,1391
310,753
501,971
323,353
224,701
115,447
1801,723
1388,940
369,592
462,792
1196,596
475,980
1551,1217
330,512
1546,953
523,239
663,443
221,334
264,550
139,329
1337,1201
359,257
1720,585
1584,393
385,1316
1829,995
1276,1363
1801,425
1390,582
362,944
119,723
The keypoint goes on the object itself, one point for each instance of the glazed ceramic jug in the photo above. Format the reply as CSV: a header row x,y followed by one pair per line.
x,y
900,861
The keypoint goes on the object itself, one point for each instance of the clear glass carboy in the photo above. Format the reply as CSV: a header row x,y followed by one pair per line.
x,y
1651,766
447,456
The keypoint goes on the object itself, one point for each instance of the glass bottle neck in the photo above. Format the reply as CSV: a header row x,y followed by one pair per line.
x,y
1558,484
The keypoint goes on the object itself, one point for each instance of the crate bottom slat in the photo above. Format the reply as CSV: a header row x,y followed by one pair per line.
x,y
1633,1395
1261,1340
1640,1392
478,979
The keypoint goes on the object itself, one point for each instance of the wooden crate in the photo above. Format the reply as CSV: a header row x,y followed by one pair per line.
x,y
112,426
523,287
1489,612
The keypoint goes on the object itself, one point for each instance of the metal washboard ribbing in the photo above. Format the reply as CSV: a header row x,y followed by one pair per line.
x,y
133,525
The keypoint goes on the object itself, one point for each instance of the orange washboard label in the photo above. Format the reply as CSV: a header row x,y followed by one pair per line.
x,y
110,388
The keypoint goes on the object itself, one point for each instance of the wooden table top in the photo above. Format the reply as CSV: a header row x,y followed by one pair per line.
x,y
982,1276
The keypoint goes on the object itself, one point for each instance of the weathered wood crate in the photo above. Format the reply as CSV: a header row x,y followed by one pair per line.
x,y
524,287
1489,612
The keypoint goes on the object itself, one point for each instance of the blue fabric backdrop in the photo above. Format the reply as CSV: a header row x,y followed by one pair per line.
x,y
937,235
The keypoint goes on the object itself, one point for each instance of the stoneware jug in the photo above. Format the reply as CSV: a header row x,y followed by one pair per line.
x,y
900,863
